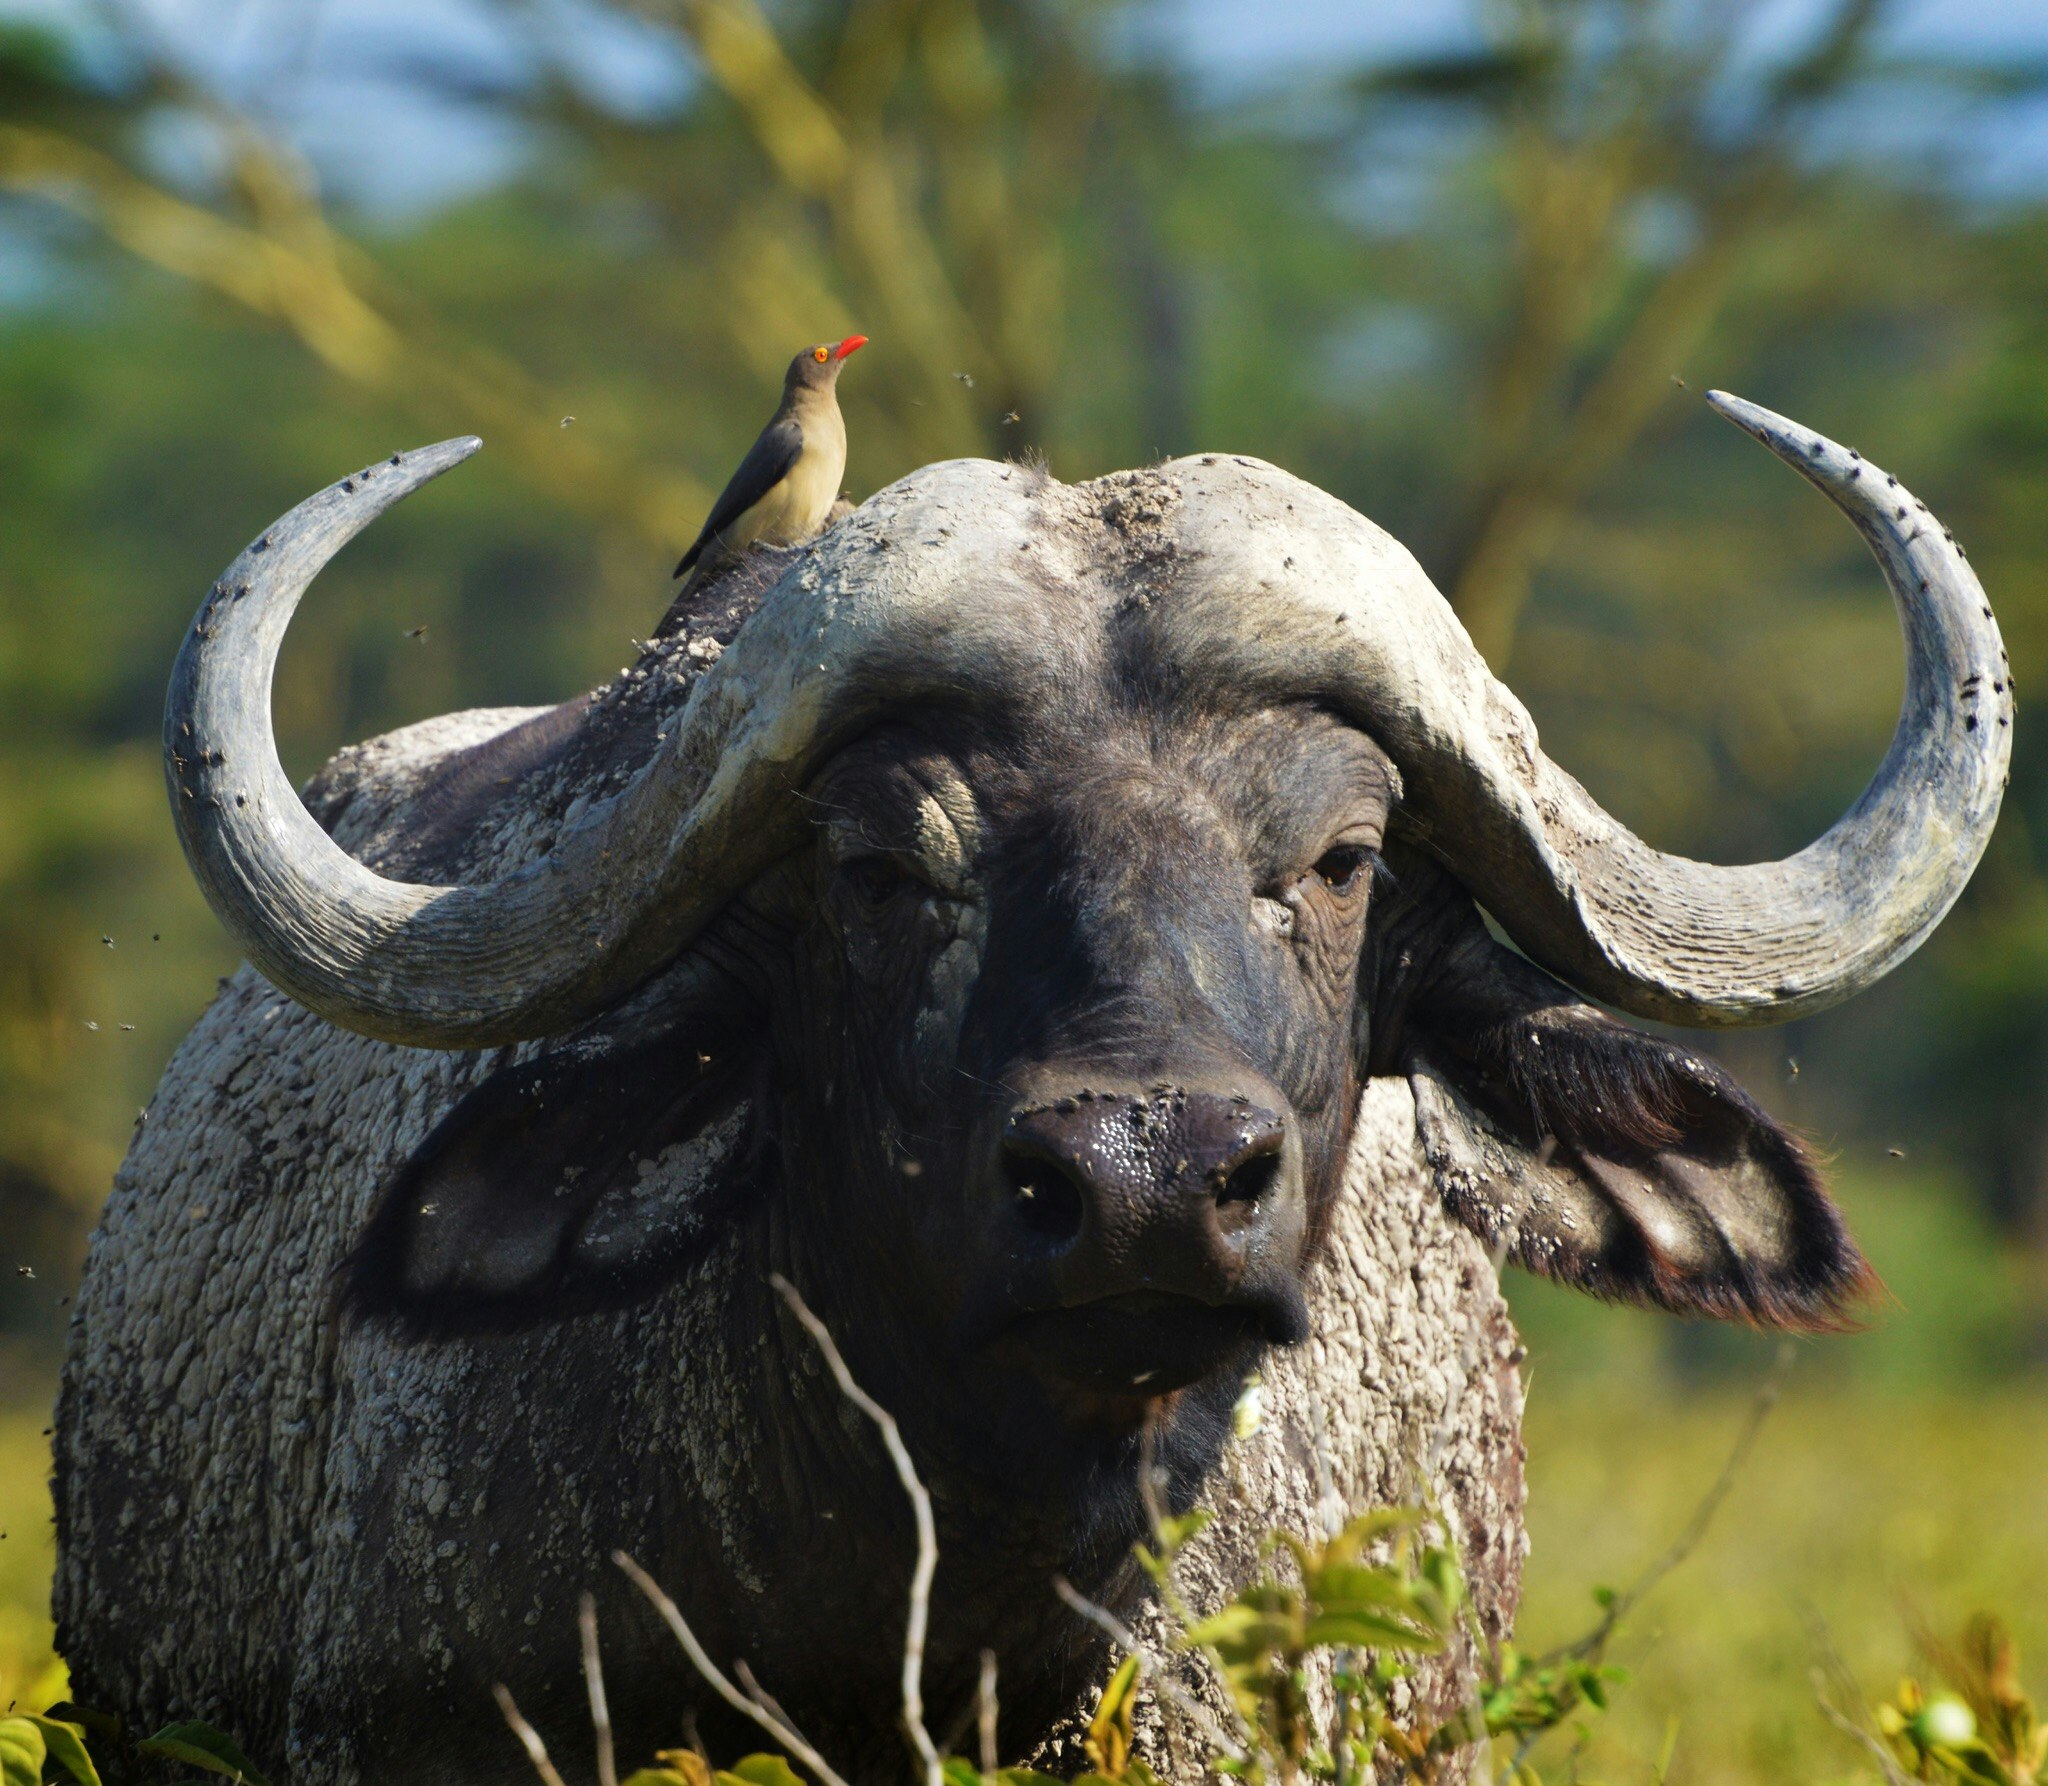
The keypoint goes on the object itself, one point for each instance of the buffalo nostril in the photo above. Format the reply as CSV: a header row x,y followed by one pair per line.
x,y
1240,1190
1249,1180
1046,1199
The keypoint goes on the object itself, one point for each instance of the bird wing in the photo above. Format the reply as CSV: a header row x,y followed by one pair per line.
x,y
767,463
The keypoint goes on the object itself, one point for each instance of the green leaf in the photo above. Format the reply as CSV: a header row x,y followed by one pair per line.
x,y
21,1752
1026,1776
1972,1759
1355,1587
685,1765
1262,1618
1176,1531
656,1776
202,1746
100,1724
759,1770
66,1744
1370,1527
1368,1631
959,1771
1122,1685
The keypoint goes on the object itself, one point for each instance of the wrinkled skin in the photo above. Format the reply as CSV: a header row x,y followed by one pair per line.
x,y
1035,1070
1184,910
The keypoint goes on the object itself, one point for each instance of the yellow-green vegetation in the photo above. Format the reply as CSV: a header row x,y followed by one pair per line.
x,y
1856,1511
1859,1512
1901,1481
29,1673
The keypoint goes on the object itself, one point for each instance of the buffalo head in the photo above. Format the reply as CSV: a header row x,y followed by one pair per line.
x,y
1012,912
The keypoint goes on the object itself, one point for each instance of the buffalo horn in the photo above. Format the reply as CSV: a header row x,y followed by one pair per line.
x,y
1711,946
431,966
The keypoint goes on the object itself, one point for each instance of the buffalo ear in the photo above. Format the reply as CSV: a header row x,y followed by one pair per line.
x,y
1611,1159
580,1180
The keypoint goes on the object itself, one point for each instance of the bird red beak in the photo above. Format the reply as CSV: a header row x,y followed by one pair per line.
x,y
849,345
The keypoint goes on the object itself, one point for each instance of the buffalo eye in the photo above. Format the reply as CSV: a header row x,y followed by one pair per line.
x,y
876,882
1341,869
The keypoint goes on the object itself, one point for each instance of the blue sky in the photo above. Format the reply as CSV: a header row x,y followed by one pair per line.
x,y
330,71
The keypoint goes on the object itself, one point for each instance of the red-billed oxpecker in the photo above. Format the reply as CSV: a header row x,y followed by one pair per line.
x,y
789,480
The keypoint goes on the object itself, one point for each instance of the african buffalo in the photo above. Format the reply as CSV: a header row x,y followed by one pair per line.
x,y
1042,922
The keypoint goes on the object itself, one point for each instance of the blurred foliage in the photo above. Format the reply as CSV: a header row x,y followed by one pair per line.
x,y
1983,1728
1460,292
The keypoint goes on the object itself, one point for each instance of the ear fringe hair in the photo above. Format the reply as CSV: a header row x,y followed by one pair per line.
x,y
1601,1088
1820,1293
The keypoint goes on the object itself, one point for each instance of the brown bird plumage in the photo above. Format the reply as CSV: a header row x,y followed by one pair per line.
x,y
787,483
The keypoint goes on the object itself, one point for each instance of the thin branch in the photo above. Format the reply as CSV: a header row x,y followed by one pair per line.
x,y
1151,1475
1886,1765
778,1728
1834,1685
921,1509
760,1694
529,1738
985,1712
1127,1640
593,1679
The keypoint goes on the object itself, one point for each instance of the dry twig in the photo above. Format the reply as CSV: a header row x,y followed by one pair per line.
x,y
1687,1541
529,1738
985,1712
593,1679
777,1727
761,1696
1127,1640
921,1509
1834,1686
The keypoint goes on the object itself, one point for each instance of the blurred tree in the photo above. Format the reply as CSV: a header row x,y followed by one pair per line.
x,y
1456,291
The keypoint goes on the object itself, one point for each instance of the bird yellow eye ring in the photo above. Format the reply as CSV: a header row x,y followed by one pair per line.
x,y
820,353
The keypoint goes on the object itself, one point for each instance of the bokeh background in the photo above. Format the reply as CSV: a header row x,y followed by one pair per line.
x,y
1466,263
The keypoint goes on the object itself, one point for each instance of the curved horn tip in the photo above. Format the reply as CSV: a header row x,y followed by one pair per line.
x,y
1823,460
376,487
430,461
1835,470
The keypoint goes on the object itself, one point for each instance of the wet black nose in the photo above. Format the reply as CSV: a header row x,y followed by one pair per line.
x,y
1170,1191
